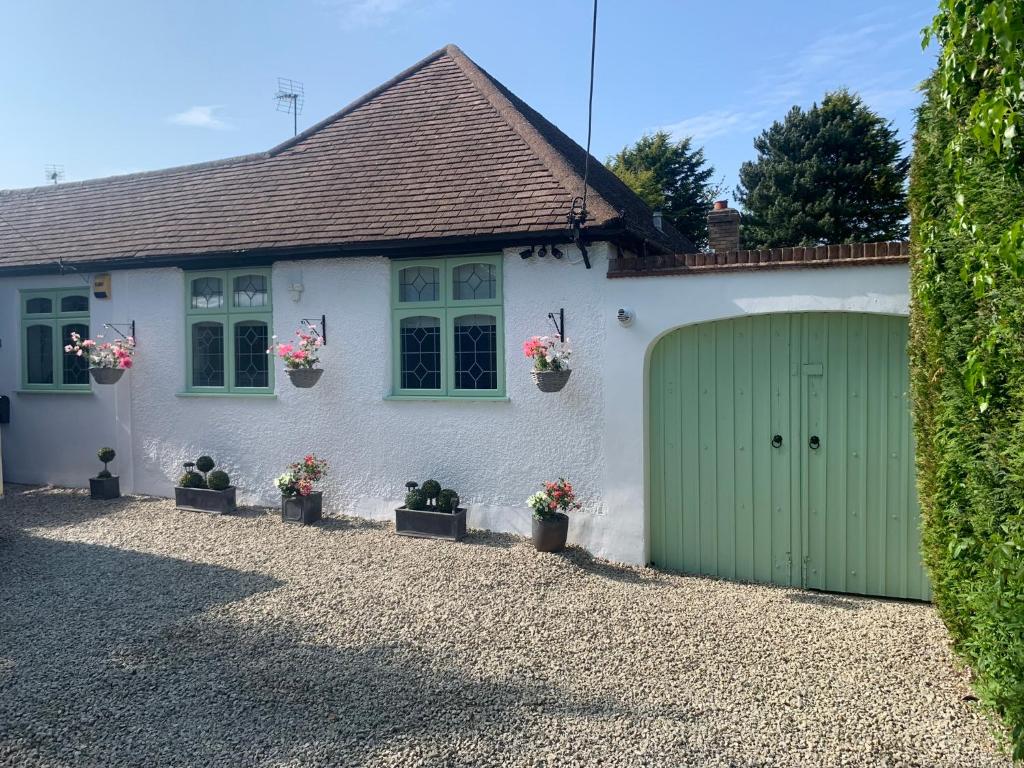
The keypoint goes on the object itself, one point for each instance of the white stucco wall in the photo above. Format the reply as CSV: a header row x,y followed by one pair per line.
x,y
494,453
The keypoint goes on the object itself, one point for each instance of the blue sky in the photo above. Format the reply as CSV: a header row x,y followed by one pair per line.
x,y
117,86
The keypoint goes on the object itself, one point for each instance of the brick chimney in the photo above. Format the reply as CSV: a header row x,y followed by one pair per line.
x,y
723,227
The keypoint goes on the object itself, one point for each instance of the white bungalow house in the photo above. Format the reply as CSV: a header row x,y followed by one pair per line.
x,y
738,414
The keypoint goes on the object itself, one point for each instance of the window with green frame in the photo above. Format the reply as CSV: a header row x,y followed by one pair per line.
x,y
448,332
229,321
48,318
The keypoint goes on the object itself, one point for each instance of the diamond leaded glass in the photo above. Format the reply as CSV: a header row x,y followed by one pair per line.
x,y
476,352
418,284
420,352
207,293
250,291
75,303
39,354
474,281
76,369
208,354
251,359
40,305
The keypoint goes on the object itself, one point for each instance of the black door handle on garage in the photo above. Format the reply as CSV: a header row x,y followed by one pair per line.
x,y
814,442
777,441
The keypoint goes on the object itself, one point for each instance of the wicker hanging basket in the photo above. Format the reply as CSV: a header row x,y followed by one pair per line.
x,y
551,381
106,375
304,378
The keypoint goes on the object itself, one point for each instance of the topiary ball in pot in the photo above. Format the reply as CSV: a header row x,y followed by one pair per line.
x,y
191,480
204,464
106,455
416,499
431,488
218,480
447,500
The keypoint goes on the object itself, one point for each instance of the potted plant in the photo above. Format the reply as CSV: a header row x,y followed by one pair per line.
x,y
210,491
105,485
550,523
300,357
550,362
107,360
299,502
431,512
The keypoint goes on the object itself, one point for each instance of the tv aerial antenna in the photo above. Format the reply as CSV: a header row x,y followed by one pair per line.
x,y
54,173
290,97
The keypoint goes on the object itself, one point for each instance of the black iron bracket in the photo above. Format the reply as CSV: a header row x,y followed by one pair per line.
x,y
559,322
116,328
320,330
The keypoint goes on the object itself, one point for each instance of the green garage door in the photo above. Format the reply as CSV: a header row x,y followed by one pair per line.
x,y
781,451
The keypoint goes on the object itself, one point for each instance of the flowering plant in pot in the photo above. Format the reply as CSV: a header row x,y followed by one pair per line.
x,y
550,523
300,357
210,491
299,502
105,485
108,360
431,512
550,357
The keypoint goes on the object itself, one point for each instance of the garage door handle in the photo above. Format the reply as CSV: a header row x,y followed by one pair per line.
x,y
814,442
777,441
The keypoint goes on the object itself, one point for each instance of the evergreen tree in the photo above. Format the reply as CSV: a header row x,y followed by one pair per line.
x,y
670,176
832,174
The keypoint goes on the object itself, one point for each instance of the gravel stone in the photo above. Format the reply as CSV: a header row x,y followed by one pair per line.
x,y
132,634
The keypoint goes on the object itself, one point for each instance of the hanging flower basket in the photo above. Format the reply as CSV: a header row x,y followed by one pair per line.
x,y
304,378
106,375
551,381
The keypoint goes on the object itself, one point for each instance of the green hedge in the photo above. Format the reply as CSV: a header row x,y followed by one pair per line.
x,y
967,359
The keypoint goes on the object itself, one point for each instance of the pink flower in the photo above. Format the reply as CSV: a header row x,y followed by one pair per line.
x,y
125,362
68,348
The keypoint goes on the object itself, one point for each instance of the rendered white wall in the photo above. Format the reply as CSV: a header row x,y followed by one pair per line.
x,y
494,453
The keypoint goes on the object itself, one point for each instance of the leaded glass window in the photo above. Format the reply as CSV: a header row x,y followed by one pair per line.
x,y
207,354
476,352
420,339
448,330
48,319
419,284
76,369
229,316
252,363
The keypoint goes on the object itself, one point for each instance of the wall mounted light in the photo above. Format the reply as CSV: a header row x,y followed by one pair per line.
x,y
296,289
625,316
527,253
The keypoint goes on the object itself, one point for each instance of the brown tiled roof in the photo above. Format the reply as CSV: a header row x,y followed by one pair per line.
x,y
441,153
846,255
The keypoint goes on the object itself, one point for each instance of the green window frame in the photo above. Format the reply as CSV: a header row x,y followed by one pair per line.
x,y
229,321
447,328
48,316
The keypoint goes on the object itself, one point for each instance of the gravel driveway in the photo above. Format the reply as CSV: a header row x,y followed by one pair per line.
x,y
133,634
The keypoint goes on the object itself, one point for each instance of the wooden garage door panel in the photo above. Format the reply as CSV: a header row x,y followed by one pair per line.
x,y
725,503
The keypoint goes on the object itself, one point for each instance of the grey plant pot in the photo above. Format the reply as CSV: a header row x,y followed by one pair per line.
x,y
430,524
106,375
551,381
104,488
304,378
205,500
549,533
302,509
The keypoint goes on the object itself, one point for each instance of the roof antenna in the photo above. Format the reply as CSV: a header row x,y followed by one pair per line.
x,y
578,210
290,97
54,173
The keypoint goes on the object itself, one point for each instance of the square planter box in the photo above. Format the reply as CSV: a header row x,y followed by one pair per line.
x,y
205,500
302,509
428,524
104,487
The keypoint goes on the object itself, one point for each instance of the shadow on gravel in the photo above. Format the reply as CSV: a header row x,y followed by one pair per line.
x,y
825,600
587,562
111,657
50,513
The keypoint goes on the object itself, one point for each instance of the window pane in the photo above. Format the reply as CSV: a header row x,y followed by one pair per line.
x,y
208,355
252,363
418,284
420,339
250,291
39,354
207,293
76,369
476,352
474,281
74,304
40,305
